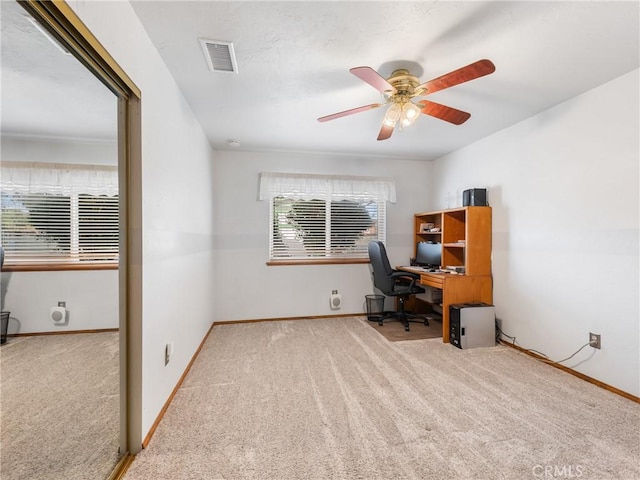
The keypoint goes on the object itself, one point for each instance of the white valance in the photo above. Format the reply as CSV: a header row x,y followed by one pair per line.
x,y
308,186
58,179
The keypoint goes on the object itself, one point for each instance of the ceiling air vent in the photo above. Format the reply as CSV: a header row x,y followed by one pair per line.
x,y
220,55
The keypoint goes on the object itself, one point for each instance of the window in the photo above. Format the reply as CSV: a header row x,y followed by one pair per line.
x,y
324,218
59,215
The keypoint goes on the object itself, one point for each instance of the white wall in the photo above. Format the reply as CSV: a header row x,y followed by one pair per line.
x,y
565,195
91,299
92,296
246,287
30,149
177,205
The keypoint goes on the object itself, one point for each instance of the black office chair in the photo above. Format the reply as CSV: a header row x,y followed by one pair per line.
x,y
394,283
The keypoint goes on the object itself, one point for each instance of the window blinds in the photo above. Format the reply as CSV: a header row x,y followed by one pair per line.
x,y
50,216
317,217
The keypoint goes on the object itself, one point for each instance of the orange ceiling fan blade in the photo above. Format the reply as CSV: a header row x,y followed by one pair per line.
x,y
364,108
373,78
385,131
448,114
470,72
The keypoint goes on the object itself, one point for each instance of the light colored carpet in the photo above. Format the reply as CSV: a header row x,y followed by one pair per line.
x,y
333,399
394,331
59,410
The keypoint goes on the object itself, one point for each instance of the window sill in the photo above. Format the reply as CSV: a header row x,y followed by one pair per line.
x,y
323,261
54,267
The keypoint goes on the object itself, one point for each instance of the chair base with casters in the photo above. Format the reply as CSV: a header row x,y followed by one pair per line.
x,y
403,316
394,283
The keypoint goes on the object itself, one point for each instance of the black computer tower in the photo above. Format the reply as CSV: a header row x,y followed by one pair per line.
x,y
472,325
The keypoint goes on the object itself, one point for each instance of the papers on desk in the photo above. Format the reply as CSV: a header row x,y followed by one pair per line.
x,y
455,269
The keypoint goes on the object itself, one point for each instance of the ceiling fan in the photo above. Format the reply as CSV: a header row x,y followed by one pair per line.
x,y
401,87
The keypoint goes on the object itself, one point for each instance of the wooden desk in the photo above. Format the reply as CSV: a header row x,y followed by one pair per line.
x,y
455,289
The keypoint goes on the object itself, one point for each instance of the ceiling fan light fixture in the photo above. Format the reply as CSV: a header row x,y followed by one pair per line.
x,y
393,114
387,95
410,113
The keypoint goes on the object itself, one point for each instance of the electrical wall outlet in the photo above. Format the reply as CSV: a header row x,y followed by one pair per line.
x,y
168,351
594,340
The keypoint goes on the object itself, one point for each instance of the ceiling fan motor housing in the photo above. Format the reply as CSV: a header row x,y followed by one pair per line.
x,y
405,85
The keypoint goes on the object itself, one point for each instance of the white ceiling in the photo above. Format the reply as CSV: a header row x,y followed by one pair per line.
x,y
294,60
45,92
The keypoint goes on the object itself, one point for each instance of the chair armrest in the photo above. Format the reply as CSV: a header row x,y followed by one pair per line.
x,y
402,275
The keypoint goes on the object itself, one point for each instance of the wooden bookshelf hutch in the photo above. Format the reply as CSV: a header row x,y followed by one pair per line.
x,y
465,235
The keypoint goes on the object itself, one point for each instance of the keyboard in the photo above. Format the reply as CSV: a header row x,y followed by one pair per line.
x,y
417,269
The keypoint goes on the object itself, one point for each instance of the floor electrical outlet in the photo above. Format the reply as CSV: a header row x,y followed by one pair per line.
x,y
594,340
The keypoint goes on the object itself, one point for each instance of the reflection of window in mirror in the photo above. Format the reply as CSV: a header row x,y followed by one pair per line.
x,y
59,202
59,214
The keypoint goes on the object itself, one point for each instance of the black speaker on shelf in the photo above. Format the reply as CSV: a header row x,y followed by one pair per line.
x,y
475,197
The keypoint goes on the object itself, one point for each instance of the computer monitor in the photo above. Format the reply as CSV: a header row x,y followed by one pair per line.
x,y
429,254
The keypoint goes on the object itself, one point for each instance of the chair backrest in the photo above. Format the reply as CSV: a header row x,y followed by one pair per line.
x,y
382,270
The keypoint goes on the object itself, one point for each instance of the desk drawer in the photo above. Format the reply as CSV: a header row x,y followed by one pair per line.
x,y
431,280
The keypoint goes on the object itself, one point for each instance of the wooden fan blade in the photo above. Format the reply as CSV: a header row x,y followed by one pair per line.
x,y
385,131
364,108
470,72
448,114
373,78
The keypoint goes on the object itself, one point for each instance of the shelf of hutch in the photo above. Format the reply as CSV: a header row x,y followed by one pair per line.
x,y
465,234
